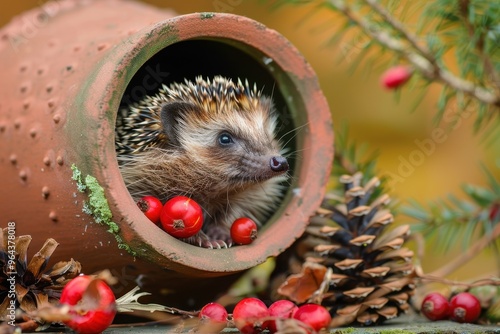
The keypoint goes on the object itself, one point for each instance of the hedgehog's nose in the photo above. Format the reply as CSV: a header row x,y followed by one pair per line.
x,y
278,164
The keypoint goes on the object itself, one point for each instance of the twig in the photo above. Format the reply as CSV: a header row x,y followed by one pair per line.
x,y
471,252
428,69
399,27
481,282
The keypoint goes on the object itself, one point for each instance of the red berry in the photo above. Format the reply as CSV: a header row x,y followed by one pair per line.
x,y
181,217
250,315
243,231
213,318
435,307
280,309
465,307
396,76
93,304
151,206
314,315
494,212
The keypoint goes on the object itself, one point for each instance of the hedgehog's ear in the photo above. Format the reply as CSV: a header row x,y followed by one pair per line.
x,y
170,114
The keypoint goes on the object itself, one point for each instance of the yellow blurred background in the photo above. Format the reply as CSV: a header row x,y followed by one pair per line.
x,y
374,115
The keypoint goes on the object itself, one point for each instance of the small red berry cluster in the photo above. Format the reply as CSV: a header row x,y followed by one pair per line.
x,y
463,307
252,316
92,307
182,217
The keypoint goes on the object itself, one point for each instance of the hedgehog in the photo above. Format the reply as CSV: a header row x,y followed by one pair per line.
x,y
211,140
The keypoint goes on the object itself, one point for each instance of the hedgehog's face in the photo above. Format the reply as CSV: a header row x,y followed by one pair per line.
x,y
235,145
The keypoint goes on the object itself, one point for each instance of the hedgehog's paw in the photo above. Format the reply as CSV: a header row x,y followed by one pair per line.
x,y
219,237
216,244
215,238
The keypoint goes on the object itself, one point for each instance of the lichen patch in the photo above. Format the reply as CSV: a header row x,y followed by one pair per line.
x,y
97,206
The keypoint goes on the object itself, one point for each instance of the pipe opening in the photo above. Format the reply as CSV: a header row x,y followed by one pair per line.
x,y
208,58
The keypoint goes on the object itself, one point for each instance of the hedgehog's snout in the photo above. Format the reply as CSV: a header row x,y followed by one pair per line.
x,y
278,164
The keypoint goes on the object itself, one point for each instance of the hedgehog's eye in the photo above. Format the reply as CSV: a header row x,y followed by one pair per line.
x,y
225,139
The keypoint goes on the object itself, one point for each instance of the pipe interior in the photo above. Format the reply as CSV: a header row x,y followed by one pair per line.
x,y
208,58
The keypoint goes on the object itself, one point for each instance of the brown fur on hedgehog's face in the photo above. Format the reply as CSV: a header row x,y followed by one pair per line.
x,y
230,143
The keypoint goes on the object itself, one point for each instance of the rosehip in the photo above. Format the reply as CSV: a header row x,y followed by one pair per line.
x,y
314,315
396,76
435,307
93,304
280,309
213,318
494,211
250,315
181,217
464,307
243,231
151,207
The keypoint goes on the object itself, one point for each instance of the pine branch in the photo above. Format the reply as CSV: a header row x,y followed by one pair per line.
x,y
351,157
479,216
471,252
470,28
421,59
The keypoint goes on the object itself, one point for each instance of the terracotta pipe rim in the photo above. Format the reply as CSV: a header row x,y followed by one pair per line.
x,y
317,145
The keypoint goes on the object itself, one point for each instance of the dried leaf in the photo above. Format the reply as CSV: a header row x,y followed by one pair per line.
x,y
129,303
301,287
52,313
292,326
91,298
107,277
61,268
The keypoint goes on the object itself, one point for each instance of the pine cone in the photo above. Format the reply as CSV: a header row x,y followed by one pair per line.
x,y
34,289
351,264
